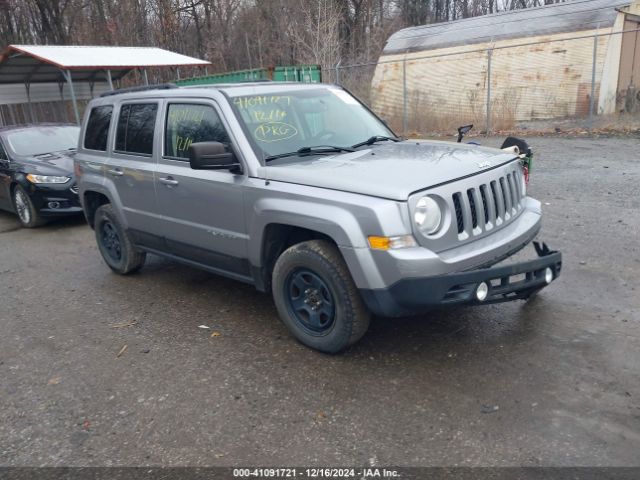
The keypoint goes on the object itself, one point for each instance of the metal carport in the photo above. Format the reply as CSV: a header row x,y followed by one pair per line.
x,y
31,64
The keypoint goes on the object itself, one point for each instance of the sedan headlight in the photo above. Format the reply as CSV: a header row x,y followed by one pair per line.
x,y
427,215
46,179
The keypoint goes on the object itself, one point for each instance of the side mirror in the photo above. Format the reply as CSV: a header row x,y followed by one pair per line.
x,y
462,131
212,156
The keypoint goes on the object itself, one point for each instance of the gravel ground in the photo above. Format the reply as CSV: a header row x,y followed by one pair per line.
x,y
555,381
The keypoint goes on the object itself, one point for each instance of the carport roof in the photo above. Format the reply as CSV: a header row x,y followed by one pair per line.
x,y
45,63
571,16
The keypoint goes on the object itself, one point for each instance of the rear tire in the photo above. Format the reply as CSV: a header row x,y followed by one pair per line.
x,y
27,213
317,298
114,244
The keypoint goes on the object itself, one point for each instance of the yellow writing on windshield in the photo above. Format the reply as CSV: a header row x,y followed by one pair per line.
x,y
261,100
274,132
273,115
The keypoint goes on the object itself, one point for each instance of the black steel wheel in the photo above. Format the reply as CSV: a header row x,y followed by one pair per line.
x,y
110,241
117,249
310,301
316,297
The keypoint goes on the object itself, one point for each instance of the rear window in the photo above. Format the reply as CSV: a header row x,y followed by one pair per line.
x,y
136,125
95,137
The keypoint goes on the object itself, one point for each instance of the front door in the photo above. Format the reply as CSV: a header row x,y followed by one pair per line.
x,y
202,210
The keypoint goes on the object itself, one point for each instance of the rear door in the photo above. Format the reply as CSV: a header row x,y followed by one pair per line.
x,y
202,210
132,168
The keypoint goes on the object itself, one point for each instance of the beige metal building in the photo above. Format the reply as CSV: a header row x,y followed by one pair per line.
x,y
521,65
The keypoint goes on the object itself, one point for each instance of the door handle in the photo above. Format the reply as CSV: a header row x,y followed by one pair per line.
x,y
169,181
116,172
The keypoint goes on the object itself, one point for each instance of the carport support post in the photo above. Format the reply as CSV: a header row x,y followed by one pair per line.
x,y
27,86
64,107
488,125
67,76
404,97
109,79
592,100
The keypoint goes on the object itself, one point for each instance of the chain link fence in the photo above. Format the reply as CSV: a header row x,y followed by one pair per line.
x,y
566,82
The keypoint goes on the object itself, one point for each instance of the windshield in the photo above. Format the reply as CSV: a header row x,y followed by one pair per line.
x,y
287,121
39,140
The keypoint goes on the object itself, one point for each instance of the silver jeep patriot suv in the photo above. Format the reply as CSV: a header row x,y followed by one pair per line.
x,y
302,191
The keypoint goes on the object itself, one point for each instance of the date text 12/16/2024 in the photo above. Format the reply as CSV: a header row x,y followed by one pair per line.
x,y
315,473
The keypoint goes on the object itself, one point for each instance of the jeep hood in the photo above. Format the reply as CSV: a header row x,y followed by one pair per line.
x,y
388,170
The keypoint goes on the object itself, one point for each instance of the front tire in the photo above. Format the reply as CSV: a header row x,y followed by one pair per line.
x,y
316,297
114,244
27,213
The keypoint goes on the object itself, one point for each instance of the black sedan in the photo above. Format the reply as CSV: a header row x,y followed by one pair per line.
x,y
36,172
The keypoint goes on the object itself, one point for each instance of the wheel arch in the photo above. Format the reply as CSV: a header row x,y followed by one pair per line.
x,y
92,200
276,238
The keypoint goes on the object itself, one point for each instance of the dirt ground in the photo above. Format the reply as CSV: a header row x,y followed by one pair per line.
x,y
552,382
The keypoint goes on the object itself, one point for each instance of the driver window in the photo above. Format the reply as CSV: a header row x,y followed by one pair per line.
x,y
191,123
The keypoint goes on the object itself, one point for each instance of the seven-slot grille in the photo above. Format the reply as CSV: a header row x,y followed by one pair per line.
x,y
488,205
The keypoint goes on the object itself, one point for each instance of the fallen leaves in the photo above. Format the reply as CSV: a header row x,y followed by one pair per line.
x,y
320,415
122,350
54,381
216,334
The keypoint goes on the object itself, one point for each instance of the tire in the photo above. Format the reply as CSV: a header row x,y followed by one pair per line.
x,y
316,297
114,244
27,213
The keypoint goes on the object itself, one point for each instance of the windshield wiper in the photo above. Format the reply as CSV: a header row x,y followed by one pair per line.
x,y
315,150
374,139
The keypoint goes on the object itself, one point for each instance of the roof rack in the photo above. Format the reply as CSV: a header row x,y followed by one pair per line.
x,y
144,88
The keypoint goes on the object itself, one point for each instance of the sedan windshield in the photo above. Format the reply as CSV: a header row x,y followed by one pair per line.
x,y
295,120
40,140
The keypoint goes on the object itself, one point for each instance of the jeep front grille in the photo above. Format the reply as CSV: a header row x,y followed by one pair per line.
x,y
488,205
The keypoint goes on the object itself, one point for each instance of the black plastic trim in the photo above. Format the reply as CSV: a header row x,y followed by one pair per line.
x,y
415,295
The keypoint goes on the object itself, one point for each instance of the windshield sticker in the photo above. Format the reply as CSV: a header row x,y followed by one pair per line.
x,y
274,132
344,96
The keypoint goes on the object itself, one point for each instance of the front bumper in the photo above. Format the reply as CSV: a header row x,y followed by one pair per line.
x,y
511,282
55,200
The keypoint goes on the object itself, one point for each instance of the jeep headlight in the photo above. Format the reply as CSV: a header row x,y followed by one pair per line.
x,y
46,178
427,215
